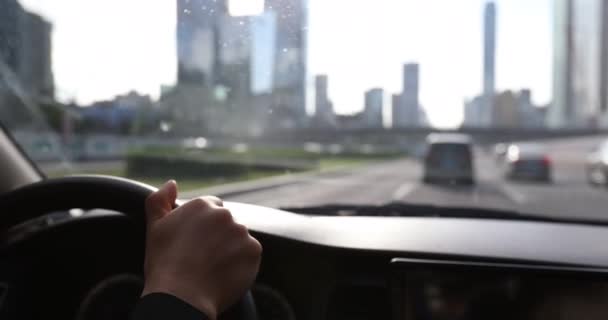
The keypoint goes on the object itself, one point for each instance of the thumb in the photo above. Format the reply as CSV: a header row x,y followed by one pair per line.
x,y
161,202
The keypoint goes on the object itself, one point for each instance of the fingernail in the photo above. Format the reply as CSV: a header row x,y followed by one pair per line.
x,y
168,183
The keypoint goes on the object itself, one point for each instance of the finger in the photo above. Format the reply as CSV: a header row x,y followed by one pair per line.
x,y
161,202
200,204
215,200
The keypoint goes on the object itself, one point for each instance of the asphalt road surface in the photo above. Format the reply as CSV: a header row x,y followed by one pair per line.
x,y
569,195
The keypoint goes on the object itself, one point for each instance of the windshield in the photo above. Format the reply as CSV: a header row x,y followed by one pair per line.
x,y
302,103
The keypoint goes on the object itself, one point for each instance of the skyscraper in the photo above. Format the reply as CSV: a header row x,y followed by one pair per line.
x,y
233,68
25,62
321,97
324,113
396,110
35,68
263,44
197,39
561,112
10,11
489,57
248,55
291,53
373,107
580,64
25,49
406,113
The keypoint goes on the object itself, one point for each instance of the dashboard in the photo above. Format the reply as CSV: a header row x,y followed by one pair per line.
x,y
439,289
317,267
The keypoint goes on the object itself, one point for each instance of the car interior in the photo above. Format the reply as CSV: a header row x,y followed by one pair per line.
x,y
310,120
73,248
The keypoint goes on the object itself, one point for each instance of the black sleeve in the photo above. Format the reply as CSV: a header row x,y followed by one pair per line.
x,y
162,306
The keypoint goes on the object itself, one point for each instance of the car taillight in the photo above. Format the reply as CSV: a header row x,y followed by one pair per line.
x,y
546,161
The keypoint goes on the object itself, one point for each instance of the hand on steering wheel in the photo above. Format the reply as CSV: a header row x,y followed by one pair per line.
x,y
190,249
197,252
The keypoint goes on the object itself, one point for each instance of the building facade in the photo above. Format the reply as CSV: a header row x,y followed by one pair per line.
x,y
25,50
35,67
396,110
531,116
489,48
259,57
580,64
10,13
406,111
506,111
291,51
473,110
561,113
511,110
374,103
324,113
489,64
198,40
25,63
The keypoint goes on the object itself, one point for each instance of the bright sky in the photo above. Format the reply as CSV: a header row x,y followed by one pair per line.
x,y
106,47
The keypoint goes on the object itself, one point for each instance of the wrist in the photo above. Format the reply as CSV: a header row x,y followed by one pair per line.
x,y
198,301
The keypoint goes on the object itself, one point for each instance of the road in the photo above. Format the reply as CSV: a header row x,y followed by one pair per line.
x,y
568,196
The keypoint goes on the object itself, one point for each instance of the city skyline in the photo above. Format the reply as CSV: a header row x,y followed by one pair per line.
x,y
451,65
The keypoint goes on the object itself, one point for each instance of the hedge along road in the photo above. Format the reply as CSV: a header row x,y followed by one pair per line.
x,y
195,173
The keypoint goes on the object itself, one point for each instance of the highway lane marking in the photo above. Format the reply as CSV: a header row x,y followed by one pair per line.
x,y
403,190
514,195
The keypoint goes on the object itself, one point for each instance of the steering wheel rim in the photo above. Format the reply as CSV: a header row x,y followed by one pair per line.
x,y
92,192
85,192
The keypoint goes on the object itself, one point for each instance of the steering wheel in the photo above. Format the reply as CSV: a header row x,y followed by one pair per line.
x,y
119,194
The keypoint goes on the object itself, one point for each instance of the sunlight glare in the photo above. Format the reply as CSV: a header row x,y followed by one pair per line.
x,y
245,7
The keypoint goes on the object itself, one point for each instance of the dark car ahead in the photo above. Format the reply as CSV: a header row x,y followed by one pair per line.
x,y
528,162
597,165
449,159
